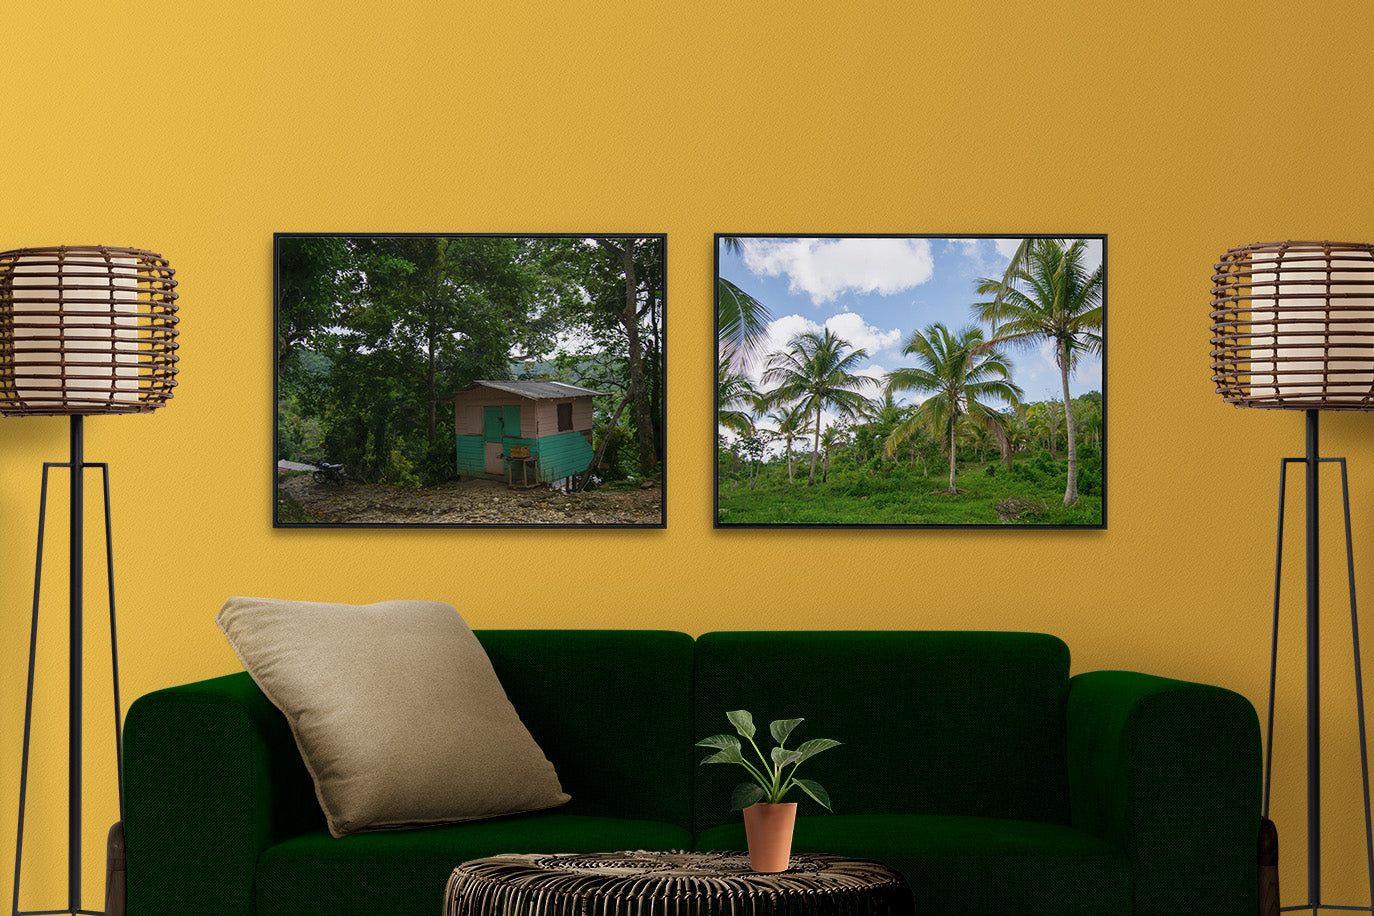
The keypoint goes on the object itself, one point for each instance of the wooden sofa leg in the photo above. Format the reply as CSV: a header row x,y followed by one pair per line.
x,y
115,874
1268,868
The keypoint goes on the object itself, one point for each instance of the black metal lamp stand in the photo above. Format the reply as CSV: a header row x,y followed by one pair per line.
x,y
84,329
76,466
1312,464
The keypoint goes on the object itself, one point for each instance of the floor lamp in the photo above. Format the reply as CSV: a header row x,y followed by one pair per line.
x,y
1293,328
83,330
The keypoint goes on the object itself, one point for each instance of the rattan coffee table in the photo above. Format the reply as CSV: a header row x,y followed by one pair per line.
x,y
673,884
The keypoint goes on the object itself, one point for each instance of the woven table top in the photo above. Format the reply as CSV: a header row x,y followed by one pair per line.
x,y
673,884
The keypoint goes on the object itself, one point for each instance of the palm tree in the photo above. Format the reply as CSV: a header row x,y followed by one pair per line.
x,y
737,400
1087,420
741,320
738,405
1053,298
1047,418
1018,434
976,438
962,372
791,422
833,438
814,372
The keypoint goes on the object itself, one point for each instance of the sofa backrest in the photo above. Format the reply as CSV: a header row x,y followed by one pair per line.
x,y
933,722
611,709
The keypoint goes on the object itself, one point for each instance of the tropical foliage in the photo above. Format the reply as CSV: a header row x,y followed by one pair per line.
x,y
813,374
741,320
1049,298
963,376
771,778
948,437
372,332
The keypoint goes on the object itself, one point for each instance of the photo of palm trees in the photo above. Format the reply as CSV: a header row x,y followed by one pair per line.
x,y
910,381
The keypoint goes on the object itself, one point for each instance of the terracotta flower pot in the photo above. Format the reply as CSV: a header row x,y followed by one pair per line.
x,y
769,829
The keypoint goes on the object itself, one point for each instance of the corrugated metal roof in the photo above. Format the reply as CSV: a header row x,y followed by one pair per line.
x,y
537,390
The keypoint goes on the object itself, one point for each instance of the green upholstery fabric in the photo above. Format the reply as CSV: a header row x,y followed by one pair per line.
x,y
972,763
977,865
406,871
212,778
932,722
1170,772
611,710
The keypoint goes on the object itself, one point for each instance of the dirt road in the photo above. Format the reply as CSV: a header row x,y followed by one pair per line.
x,y
481,502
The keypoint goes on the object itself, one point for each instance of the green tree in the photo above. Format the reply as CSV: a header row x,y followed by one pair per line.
x,y
463,307
963,374
834,438
312,278
977,438
739,402
1051,298
1018,435
409,318
741,320
1046,418
610,292
741,405
815,372
636,310
790,423
1087,417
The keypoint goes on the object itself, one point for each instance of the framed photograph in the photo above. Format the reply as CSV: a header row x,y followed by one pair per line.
x,y
911,381
428,380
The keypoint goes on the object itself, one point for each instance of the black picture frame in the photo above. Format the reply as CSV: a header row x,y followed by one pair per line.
x,y
512,353
884,289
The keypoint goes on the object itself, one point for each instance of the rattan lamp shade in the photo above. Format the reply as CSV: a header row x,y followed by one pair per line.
x,y
86,330
1293,326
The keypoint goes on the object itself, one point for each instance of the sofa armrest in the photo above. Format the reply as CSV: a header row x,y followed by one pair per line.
x,y
1170,771
212,778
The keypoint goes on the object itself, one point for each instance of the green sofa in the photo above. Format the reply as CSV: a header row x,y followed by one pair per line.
x,y
972,762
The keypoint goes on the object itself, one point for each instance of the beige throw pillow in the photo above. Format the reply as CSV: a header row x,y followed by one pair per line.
x,y
396,711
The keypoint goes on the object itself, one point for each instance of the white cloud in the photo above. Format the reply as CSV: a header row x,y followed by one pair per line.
x,y
827,268
879,375
851,326
1007,247
781,331
848,326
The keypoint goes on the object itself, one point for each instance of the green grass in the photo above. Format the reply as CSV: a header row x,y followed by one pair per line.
x,y
290,512
906,497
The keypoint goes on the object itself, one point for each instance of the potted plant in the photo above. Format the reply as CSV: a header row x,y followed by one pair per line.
x,y
768,820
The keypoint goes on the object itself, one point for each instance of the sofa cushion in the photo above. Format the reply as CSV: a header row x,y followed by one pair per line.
x,y
405,873
960,723
988,866
613,711
396,710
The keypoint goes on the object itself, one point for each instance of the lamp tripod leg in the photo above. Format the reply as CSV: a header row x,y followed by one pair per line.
x,y
1312,463
76,567
1359,684
77,467
28,695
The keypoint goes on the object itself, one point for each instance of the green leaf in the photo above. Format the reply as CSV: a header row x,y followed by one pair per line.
x,y
726,755
745,794
743,722
784,758
720,741
809,749
781,728
815,790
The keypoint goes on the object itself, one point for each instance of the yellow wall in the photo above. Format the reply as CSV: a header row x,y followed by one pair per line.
x,y
1178,128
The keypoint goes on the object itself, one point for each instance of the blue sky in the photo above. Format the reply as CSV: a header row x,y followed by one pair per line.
x,y
874,292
